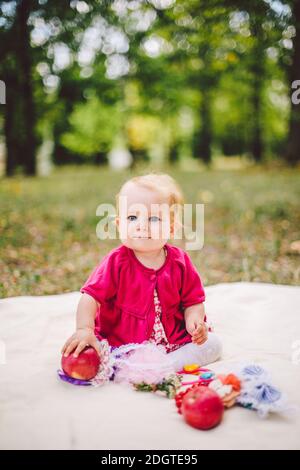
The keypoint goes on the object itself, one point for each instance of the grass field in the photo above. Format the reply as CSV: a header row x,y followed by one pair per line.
x,y
48,241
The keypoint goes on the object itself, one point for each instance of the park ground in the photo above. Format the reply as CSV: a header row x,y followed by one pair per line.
x,y
48,239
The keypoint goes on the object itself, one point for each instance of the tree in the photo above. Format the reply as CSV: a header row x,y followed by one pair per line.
x,y
64,23
264,26
257,71
292,153
186,71
19,108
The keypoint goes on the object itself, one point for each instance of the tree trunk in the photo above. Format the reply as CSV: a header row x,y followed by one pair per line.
x,y
257,73
203,138
28,157
256,144
11,130
19,126
292,153
173,156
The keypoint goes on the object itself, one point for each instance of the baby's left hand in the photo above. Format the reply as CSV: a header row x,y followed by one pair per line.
x,y
198,331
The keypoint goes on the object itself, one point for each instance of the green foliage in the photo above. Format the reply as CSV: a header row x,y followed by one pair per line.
x,y
93,127
221,60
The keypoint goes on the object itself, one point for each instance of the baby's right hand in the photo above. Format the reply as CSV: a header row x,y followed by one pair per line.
x,y
79,340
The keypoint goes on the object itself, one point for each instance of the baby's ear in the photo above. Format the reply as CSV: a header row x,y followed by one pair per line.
x,y
171,230
116,221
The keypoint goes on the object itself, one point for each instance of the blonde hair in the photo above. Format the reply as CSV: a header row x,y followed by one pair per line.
x,y
163,184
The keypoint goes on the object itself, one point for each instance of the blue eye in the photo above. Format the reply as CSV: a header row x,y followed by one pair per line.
x,y
132,217
154,218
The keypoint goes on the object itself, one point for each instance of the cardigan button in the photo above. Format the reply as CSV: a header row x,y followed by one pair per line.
x,y
152,277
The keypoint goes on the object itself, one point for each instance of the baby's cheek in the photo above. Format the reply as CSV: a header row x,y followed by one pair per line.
x,y
164,230
126,233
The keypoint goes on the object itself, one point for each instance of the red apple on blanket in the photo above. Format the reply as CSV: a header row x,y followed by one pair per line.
x,y
202,408
84,367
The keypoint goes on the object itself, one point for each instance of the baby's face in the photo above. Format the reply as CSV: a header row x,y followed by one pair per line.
x,y
143,219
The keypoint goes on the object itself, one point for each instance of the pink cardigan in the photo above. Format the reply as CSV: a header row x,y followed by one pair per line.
x,y
125,289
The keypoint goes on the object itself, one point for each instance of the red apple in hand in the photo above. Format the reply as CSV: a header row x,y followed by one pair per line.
x,y
84,367
202,408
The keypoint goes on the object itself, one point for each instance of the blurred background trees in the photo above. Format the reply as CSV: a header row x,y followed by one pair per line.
x,y
157,80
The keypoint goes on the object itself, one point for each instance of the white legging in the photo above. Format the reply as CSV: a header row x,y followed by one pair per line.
x,y
191,353
203,354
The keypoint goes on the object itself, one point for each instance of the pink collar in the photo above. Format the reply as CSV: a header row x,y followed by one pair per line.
x,y
150,270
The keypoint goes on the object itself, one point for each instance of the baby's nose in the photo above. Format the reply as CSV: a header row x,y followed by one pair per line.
x,y
142,225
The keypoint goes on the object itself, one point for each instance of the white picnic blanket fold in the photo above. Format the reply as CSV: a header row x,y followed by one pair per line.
x,y
257,323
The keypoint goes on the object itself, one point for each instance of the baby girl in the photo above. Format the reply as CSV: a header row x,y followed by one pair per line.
x,y
146,289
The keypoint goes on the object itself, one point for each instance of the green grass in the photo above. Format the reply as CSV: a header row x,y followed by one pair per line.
x,y
48,242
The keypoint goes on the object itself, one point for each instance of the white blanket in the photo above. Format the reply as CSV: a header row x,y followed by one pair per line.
x,y
256,322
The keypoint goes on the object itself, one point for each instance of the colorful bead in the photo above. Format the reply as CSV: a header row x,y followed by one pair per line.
x,y
191,368
232,379
207,375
